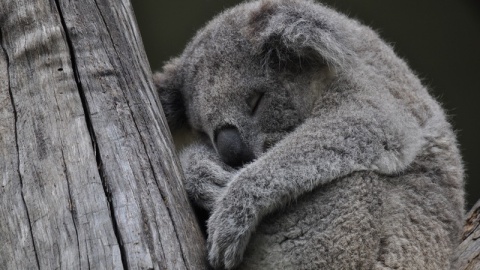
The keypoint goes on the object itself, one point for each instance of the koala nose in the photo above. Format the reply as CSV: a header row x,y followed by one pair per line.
x,y
231,147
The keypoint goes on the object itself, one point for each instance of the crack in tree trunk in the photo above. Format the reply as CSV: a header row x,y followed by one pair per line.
x,y
18,158
87,117
93,139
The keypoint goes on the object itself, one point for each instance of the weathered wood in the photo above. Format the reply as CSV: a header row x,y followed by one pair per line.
x,y
89,175
468,252
17,250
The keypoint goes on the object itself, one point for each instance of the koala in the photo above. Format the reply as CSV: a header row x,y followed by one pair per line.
x,y
317,147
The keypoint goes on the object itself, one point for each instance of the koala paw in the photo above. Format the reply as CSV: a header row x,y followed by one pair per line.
x,y
229,231
206,177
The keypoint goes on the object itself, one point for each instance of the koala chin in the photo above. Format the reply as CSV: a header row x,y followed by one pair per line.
x,y
318,147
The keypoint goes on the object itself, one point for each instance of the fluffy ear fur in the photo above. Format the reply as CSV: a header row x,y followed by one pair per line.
x,y
295,39
168,84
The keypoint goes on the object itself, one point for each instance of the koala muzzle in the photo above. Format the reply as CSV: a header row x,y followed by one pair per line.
x,y
231,148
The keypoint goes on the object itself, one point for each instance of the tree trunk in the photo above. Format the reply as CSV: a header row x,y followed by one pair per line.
x,y
468,253
89,177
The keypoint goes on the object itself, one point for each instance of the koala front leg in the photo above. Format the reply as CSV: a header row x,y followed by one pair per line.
x,y
206,176
319,151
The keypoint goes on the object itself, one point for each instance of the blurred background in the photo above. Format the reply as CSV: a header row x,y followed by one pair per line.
x,y
440,39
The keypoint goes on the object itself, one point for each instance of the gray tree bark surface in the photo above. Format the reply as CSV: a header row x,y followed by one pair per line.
x,y
89,177
468,252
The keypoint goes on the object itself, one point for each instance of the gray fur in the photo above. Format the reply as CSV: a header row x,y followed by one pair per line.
x,y
355,167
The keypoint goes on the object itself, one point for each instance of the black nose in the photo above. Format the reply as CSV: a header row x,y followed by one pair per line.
x,y
231,148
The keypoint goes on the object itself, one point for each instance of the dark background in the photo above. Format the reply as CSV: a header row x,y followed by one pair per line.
x,y
440,39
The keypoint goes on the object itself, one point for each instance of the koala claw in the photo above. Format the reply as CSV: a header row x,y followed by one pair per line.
x,y
228,236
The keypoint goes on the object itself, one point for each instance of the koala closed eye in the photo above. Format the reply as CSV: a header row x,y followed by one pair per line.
x,y
254,101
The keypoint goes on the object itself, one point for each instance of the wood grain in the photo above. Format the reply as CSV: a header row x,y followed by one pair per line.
x,y
468,252
90,178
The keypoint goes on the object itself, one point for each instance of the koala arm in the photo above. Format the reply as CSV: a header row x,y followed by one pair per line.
x,y
350,138
206,176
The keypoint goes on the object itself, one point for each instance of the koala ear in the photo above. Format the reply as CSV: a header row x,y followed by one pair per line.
x,y
290,36
168,84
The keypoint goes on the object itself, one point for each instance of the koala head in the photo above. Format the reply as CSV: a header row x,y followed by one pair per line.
x,y
250,77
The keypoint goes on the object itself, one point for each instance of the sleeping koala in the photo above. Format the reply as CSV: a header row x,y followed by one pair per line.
x,y
318,147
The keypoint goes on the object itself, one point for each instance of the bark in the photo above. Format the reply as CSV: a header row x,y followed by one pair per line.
x,y
89,177
468,252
